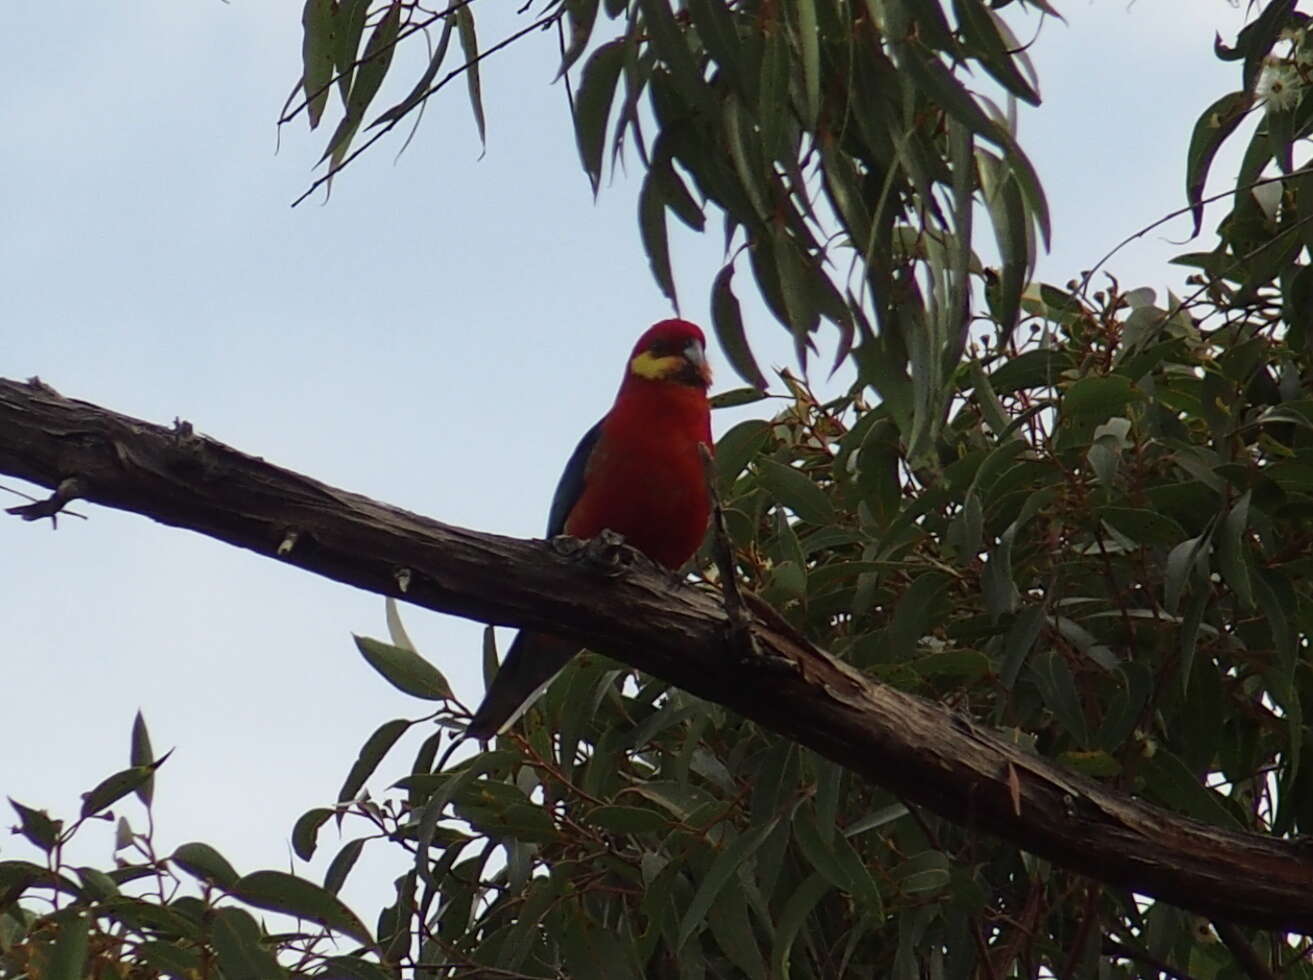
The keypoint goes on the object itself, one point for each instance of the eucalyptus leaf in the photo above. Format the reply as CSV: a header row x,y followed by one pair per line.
x,y
282,892
792,488
405,669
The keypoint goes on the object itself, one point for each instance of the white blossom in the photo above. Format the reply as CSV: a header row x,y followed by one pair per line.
x,y
1279,85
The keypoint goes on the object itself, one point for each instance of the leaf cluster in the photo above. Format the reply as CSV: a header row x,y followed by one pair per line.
x,y
183,915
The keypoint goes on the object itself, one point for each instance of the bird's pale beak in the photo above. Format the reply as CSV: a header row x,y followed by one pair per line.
x,y
698,358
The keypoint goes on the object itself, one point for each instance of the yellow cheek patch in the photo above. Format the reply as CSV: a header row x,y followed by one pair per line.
x,y
648,365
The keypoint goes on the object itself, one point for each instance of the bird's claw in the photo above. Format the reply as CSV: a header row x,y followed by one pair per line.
x,y
567,545
751,654
676,576
609,552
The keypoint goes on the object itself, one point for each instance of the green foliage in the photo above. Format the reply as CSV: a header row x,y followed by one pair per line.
x,y
1259,268
150,915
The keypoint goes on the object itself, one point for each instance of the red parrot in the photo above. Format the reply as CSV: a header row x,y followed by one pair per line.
x,y
636,472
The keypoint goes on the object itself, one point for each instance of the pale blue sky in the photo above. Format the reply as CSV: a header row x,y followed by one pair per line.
x,y
437,336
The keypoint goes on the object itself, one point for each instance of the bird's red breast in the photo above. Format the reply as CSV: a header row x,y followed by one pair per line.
x,y
644,478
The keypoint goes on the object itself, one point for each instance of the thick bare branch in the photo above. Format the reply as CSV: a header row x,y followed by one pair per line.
x,y
917,749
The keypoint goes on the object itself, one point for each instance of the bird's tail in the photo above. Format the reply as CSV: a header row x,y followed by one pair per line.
x,y
531,662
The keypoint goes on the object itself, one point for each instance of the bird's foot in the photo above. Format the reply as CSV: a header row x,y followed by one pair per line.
x,y
609,553
567,545
751,654
675,576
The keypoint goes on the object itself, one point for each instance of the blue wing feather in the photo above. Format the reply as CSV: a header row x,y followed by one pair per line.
x,y
571,486
534,658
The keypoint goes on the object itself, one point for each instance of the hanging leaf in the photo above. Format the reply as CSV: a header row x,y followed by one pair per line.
x,y
1215,124
374,64
981,31
1231,556
341,865
837,861
728,324
725,866
592,105
581,15
652,224
469,42
318,23
305,833
421,90
809,49
348,29
795,912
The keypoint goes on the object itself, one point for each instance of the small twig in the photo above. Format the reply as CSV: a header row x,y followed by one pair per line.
x,y
1018,946
1180,212
432,90
1087,921
982,951
70,488
446,756
404,32
1303,950
17,493
722,554
1117,948
1244,953
1189,301
740,607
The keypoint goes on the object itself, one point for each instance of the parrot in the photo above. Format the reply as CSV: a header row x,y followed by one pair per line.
x,y
637,472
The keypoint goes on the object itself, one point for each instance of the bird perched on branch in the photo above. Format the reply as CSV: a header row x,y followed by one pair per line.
x,y
636,472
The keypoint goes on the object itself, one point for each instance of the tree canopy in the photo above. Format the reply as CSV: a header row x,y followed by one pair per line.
x,y
1076,514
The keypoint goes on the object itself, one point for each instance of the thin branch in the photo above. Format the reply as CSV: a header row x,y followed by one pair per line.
x,y
1179,212
721,551
28,497
1241,260
434,89
1089,917
68,489
287,115
1119,949
1244,953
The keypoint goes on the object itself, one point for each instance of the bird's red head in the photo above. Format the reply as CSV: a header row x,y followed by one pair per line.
x,y
672,350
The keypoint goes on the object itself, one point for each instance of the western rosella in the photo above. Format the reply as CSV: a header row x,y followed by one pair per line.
x,y
636,472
